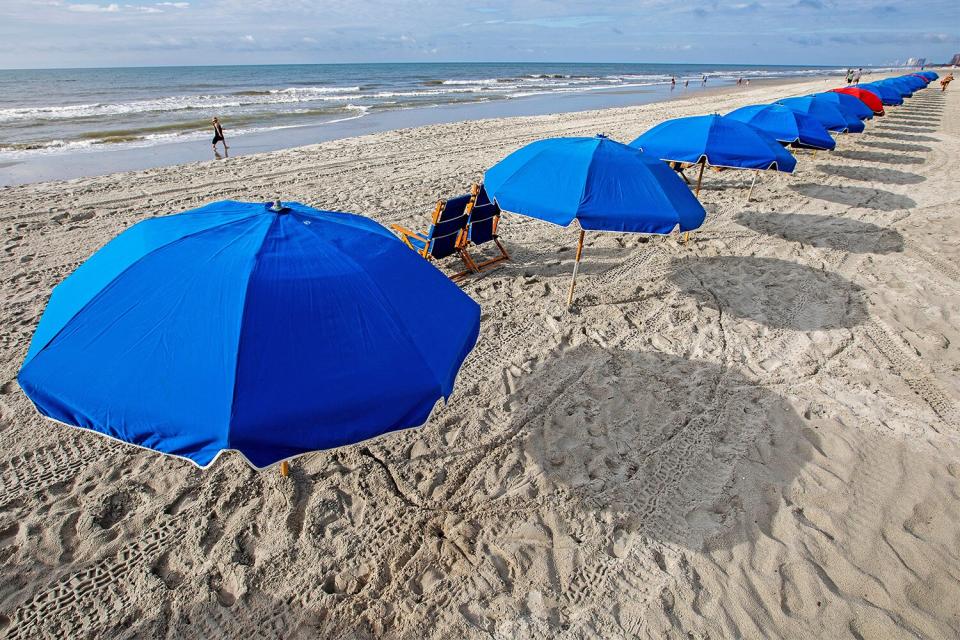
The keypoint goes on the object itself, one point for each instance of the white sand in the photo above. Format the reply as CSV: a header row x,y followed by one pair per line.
x,y
755,435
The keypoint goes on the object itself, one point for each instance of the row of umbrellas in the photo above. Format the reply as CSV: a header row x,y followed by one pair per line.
x,y
609,186
276,329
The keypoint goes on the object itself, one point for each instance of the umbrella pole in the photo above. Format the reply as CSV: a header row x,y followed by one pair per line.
x,y
284,468
576,267
703,165
752,184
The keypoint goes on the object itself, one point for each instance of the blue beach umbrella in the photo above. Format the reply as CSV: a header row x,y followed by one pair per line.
x,y
238,326
929,75
786,125
899,86
888,95
851,104
830,115
716,141
602,184
915,82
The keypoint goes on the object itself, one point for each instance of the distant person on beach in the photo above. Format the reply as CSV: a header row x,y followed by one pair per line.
x,y
857,75
218,136
739,81
849,76
703,81
686,83
945,82
673,83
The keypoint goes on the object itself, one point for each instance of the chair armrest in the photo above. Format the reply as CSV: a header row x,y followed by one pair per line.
x,y
407,232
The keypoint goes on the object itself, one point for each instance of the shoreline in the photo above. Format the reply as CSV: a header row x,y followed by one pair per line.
x,y
47,167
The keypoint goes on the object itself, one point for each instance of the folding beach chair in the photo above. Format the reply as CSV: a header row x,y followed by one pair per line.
x,y
484,217
447,234
680,167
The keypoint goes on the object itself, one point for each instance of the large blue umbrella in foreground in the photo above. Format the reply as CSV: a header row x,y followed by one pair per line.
x,y
786,125
235,326
830,115
602,184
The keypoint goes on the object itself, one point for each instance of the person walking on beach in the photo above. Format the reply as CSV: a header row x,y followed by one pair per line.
x,y
703,81
857,75
686,83
218,136
673,83
849,76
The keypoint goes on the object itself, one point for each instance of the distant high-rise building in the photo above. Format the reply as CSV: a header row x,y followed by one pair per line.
x,y
915,62
955,59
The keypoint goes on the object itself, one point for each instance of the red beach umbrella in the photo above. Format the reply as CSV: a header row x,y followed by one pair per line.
x,y
869,98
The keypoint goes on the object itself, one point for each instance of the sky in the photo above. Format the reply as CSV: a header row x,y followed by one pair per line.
x,y
64,33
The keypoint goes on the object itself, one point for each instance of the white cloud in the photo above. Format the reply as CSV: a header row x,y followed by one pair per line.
x,y
174,5
94,8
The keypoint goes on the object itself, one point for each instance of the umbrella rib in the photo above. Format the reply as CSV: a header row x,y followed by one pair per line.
x,y
243,315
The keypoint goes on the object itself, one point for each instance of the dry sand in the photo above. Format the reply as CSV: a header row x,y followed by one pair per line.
x,y
754,435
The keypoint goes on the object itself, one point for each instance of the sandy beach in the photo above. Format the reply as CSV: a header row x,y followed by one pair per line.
x,y
752,435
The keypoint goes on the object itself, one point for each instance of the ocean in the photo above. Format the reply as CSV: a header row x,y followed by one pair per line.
x,y
45,114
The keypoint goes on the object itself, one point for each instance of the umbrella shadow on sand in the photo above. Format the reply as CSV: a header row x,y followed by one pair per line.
x,y
771,292
903,137
895,146
681,451
887,176
908,128
914,121
875,156
863,197
830,232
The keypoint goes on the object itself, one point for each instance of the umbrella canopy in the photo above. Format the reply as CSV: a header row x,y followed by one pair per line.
x,y
786,125
922,78
830,115
604,184
888,95
717,141
853,105
910,82
899,86
234,326
869,98
929,75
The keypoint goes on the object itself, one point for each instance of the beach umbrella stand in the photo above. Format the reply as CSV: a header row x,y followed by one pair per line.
x,y
576,267
601,184
753,183
719,141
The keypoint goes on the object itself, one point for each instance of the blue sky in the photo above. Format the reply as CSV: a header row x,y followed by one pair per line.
x,y
64,33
